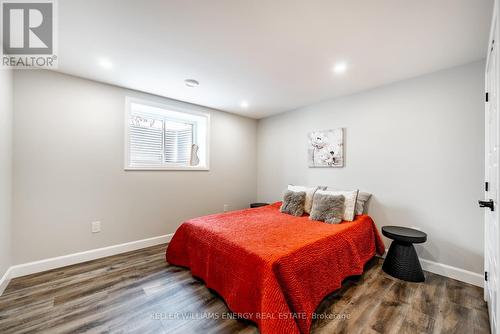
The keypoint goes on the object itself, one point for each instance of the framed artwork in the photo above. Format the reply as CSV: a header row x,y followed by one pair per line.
x,y
326,148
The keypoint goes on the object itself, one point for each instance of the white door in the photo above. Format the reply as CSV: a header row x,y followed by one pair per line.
x,y
490,202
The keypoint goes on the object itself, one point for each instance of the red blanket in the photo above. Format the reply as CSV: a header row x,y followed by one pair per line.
x,y
273,268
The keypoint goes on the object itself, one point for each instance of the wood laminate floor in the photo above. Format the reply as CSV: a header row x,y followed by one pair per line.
x,y
138,292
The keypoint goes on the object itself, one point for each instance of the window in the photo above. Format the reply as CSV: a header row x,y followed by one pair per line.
x,y
163,137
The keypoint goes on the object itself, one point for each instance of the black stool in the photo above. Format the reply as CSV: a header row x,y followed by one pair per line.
x,y
402,260
257,205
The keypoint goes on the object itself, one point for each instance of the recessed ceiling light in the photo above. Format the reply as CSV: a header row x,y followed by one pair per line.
x,y
105,63
244,104
191,83
340,68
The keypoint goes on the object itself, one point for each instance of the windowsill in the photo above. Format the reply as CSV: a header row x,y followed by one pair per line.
x,y
172,168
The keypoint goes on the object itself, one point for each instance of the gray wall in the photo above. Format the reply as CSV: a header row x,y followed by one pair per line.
x,y
417,145
68,170
6,112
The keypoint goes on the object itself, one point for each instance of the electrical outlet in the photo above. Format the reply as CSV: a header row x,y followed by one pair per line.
x,y
226,207
96,227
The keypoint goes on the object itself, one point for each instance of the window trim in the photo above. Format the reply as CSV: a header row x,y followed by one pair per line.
x,y
128,102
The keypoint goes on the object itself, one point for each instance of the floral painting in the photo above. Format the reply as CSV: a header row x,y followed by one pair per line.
x,y
326,148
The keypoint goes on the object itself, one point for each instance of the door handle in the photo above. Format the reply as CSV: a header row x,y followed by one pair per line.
x,y
487,204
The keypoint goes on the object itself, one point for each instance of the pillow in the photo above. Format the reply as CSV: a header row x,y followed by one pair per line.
x,y
293,203
349,202
309,195
327,208
361,202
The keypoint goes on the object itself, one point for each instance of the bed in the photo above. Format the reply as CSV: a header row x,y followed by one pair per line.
x,y
272,268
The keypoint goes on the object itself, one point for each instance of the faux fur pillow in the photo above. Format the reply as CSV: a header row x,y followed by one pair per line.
x,y
309,195
349,201
327,208
293,203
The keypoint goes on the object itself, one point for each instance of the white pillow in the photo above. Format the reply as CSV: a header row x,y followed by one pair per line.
x,y
309,195
361,202
349,203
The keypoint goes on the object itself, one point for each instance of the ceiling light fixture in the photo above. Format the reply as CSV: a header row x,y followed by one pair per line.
x,y
244,104
191,83
340,68
105,63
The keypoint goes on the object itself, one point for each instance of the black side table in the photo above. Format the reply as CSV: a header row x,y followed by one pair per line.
x,y
402,259
258,205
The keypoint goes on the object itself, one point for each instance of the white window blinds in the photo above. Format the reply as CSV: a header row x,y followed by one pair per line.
x,y
164,139
145,141
178,142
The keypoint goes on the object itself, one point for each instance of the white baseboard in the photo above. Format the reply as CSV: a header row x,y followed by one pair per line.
x,y
67,260
451,272
4,281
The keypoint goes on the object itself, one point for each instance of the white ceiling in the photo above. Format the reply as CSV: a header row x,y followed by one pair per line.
x,y
275,54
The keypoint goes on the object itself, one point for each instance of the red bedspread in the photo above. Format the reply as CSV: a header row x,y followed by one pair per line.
x,y
273,268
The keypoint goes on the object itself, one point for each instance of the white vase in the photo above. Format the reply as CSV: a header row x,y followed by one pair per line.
x,y
194,155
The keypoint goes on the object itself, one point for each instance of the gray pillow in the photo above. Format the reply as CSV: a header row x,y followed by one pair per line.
x,y
361,203
293,203
327,208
